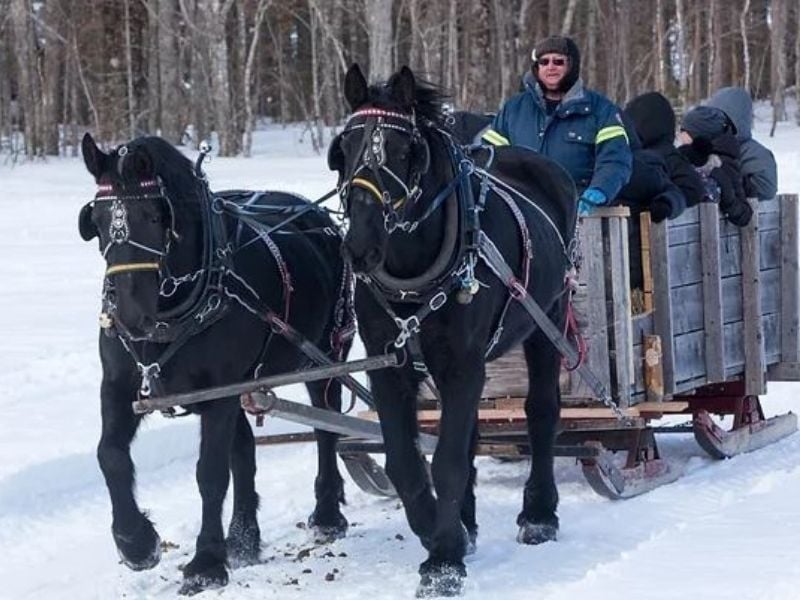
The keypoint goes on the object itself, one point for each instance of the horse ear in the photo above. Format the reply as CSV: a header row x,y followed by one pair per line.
x,y
94,158
335,154
355,87
85,225
402,87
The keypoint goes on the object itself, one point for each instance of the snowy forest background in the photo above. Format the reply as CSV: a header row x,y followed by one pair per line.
x,y
184,68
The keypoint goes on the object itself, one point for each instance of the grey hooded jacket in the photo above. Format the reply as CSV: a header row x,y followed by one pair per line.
x,y
759,170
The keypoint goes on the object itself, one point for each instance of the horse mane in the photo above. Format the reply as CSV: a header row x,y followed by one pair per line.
x,y
176,171
429,99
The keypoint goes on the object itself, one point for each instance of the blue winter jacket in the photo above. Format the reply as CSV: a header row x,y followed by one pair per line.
x,y
584,134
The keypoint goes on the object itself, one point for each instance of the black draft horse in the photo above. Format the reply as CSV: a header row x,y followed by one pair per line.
x,y
416,209
193,297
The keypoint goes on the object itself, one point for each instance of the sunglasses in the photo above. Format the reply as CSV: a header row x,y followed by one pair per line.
x,y
558,62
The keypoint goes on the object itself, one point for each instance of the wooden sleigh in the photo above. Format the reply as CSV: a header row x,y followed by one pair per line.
x,y
719,318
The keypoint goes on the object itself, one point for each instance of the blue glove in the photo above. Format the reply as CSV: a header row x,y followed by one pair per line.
x,y
589,200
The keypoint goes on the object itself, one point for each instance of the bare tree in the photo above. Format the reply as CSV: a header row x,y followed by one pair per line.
x,y
745,42
379,23
780,14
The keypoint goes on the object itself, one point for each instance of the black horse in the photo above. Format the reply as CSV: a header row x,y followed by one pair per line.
x,y
197,293
425,234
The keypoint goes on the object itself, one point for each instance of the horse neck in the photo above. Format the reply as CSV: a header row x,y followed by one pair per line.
x,y
408,254
188,251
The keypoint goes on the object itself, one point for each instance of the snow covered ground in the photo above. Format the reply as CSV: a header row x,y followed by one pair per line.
x,y
725,530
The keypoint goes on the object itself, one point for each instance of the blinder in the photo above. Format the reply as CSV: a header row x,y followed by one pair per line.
x,y
86,227
335,154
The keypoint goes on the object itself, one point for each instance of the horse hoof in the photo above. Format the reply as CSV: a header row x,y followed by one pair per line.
x,y
200,583
327,533
141,550
243,546
204,572
536,533
441,580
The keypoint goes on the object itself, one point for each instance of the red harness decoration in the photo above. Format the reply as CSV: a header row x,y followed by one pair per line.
x,y
572,331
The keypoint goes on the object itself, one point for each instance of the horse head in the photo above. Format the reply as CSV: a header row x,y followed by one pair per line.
x,y
382,156
144,226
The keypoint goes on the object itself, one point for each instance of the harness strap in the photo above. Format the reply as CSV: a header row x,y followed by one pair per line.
x,y
129,267
495,261
243,295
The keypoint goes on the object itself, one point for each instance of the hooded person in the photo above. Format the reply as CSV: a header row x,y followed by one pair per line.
x,y
758,166
708,128
578,128
650,187
653,119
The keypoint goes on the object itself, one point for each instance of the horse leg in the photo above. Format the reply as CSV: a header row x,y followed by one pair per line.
x,y
460,384
538,521
327,522
395,394
468,517
244,536
136,539
207,568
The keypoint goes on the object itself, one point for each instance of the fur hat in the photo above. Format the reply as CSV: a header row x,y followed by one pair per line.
x,y
559,44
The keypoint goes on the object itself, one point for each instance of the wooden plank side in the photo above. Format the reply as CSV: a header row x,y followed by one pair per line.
x,y
686,266
590,307
712,293
647,275
662,300
684,234
690,215
730,252
617,279
754,360
790,278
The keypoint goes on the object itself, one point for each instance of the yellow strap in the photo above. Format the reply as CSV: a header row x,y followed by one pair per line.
x,y
127,267
368,185
495,139
607,133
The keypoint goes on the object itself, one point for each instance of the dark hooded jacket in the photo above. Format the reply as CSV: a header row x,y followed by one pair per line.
x,y
650,187
708,123
652,117
758,166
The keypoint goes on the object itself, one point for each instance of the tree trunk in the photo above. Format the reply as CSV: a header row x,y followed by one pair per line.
x,y
379,24
680,51
658,55
247,79
171,112
30,89
780,14
745,44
